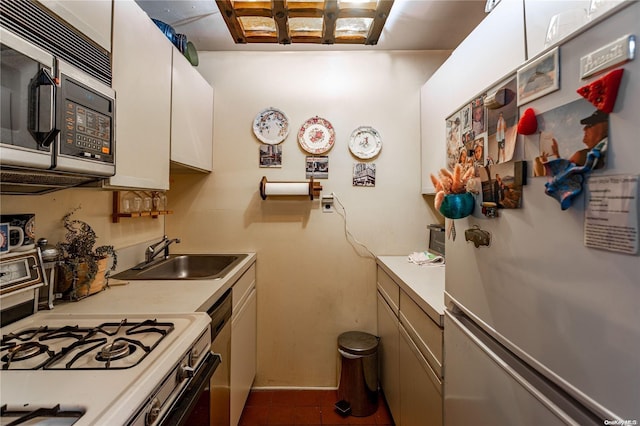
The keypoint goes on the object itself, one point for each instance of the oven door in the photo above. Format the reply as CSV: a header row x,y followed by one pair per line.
x,y
27,104
180,411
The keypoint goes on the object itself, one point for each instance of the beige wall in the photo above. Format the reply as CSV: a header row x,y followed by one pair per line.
x,y
96,208
312,285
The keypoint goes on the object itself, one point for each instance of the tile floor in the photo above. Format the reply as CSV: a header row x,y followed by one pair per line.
x,y
304,407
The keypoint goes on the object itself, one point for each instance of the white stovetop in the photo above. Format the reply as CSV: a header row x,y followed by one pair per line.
x,y
108,397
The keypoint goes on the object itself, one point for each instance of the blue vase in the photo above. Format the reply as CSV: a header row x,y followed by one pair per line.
x,y
457,206
167,30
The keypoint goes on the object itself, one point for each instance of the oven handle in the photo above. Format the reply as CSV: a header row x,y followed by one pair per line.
x,y
179,411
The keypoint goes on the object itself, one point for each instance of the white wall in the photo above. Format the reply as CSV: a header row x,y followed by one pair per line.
x,y
312,285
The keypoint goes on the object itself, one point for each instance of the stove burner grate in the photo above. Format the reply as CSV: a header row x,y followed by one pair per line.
x,y
26,417
64,347
73,332
24,335
152,326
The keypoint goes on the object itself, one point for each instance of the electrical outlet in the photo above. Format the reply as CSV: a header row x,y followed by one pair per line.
x,y
326,201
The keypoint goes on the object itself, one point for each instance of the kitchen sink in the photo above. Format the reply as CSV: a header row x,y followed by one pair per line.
x,y
184,267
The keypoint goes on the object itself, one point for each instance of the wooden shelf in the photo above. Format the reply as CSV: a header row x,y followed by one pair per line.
x,y
116,215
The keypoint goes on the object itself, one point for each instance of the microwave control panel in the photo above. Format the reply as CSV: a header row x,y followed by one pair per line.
x,y
86,133
85,121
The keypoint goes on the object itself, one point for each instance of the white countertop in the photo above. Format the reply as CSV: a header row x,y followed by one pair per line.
x,y
423,284
159,296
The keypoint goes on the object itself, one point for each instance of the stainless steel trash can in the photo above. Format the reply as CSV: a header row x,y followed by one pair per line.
x,y
358,387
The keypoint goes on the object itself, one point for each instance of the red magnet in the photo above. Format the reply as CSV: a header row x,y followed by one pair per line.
x,y
602,93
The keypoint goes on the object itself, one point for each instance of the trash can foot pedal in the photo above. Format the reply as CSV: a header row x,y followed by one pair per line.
x,y
343,408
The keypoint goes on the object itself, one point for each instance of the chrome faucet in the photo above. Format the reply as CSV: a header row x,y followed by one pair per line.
x,y
161,246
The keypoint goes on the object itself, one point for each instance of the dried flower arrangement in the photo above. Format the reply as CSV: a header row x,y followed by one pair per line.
x,y
456,182
79,257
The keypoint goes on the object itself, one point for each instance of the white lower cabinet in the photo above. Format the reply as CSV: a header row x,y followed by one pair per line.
x,y
243,342
420,388
388,355
410,357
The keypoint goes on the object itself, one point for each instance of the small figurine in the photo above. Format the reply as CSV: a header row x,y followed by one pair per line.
x,y
479,237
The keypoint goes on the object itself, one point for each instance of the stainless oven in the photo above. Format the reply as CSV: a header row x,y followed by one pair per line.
x,y
56,111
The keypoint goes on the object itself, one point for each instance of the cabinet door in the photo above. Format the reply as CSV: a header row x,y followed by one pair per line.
x,y
420,388
389,356
243,355
494,49
142,81
91,18
568,16
191,117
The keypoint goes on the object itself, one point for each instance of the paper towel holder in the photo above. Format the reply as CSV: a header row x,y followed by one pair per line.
x,y
285,188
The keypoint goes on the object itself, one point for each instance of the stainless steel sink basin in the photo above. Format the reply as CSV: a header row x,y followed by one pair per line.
x,y
184,267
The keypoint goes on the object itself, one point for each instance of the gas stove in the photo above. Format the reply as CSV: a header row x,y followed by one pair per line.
x,y
103,369
90,369
110,345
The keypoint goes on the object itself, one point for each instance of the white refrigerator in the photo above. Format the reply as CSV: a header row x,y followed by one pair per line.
x,y
540,329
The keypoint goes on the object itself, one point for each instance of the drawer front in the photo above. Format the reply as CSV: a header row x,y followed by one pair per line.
x,y
389,290
426,334
242,287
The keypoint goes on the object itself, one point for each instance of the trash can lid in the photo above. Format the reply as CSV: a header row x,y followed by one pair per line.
x,y
358,342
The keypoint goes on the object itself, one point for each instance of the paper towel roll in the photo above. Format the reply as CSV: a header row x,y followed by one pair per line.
x,y
286,188
310,189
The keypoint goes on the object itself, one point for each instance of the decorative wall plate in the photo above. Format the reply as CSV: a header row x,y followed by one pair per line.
x,y
316,136
365,142
271,126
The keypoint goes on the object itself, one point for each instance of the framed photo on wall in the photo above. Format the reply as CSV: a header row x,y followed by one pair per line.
x,y
539,77
270,155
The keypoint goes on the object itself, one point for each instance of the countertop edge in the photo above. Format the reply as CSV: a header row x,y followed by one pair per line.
x,y
408,276
230,279
107,300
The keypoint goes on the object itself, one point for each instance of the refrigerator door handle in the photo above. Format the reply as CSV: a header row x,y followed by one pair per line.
x,y
549,394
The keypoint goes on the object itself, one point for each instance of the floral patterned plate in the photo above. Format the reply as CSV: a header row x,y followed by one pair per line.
x,y
365,142
316,136
271,126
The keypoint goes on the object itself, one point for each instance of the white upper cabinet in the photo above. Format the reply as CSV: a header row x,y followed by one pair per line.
x,y
191,117
142,81
91,18
495,48
548,22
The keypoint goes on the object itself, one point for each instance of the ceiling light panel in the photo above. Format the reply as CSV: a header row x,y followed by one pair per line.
x,y
300,21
